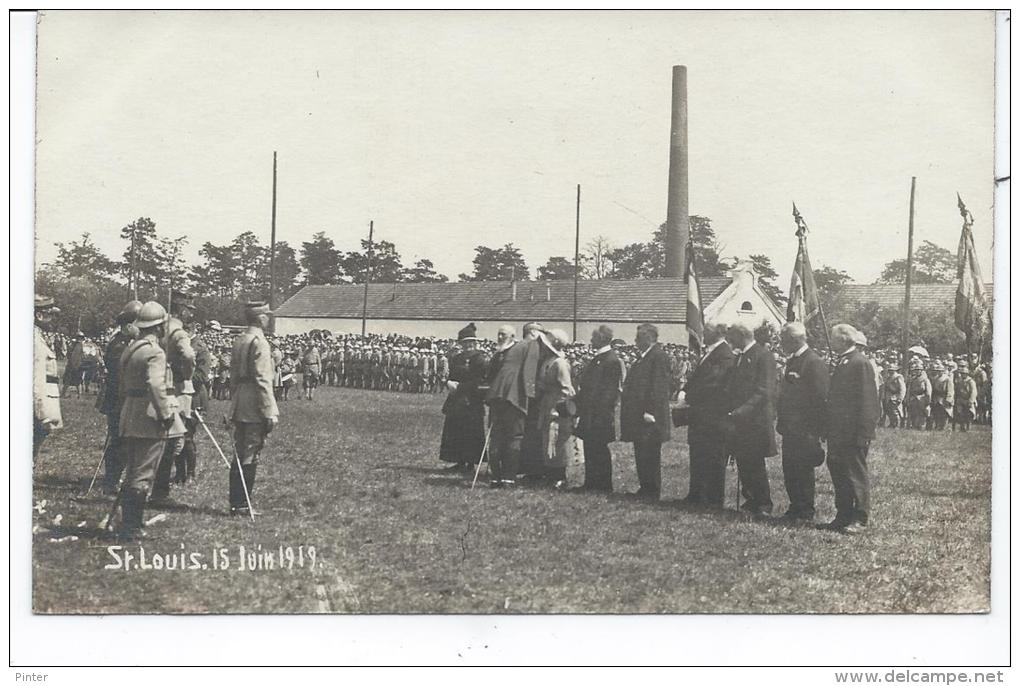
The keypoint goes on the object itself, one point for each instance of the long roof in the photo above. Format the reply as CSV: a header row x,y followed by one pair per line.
x,y
658,300
923,296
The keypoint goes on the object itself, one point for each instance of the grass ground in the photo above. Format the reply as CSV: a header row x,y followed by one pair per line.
x,y
355,475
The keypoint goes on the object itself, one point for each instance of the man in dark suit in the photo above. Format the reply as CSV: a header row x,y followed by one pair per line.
x,y
852,415
801,419
644,409
752,395
707,420
597,394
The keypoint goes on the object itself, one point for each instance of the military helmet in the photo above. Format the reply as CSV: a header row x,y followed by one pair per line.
x,y
129,313
151,314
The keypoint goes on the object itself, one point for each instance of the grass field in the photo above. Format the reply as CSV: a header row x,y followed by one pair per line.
x,y
355,475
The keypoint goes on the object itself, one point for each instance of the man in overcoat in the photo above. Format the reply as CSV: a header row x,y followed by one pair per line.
x,y
803,394
644,409
253,407
752,395
707,429
852,415
512,377
598,393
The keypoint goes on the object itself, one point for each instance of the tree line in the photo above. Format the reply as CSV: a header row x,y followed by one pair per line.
x,y
94,286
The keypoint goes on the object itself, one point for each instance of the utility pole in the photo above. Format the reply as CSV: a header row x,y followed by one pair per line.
x,y
272,245
905,342
577,256
133,277
368,278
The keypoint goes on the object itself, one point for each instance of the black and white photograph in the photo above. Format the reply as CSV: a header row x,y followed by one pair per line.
x,y
514,313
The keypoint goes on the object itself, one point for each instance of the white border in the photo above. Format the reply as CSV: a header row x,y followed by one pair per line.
x,y
903,640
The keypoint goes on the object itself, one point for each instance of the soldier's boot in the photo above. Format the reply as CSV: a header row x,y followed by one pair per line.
x,y
132,507
237,499
161,484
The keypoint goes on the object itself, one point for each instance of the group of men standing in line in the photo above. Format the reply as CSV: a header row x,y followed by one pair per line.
x,y
936,393
733,404
157,388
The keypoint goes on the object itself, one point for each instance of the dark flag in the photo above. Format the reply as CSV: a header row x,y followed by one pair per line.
x,y
695,314
971,304
803,305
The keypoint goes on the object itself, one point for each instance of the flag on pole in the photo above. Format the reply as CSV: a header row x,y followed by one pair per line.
x,y
695,315
803,303
971,304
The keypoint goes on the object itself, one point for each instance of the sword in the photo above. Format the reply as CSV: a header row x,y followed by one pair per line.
x,y
485,448
251,510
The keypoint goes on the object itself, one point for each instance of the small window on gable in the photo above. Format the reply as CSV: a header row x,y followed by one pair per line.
x,y
747,306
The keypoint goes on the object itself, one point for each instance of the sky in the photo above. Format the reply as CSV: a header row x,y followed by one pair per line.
x,y
456,129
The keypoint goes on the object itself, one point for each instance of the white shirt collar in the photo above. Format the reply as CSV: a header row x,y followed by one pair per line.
x,y
712,346
800,351
646,350
603,349
747,347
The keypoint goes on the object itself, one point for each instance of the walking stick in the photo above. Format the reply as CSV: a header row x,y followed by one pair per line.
x,y
99,466
251,510
485,449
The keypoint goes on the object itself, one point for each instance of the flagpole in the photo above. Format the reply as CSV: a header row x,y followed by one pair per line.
x,y
905,338
577,256
368,277
272,245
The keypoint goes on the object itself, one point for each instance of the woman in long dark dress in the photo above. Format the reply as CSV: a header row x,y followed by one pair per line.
x,y
464,426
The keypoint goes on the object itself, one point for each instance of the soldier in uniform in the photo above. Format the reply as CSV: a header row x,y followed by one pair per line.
x,y
965,407
181,358
919,395
942,396
894,390
311,370
201,380
253,408
45,379
111,400
149,416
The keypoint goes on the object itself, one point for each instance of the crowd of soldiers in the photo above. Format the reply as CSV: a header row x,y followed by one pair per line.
x,y
539,393
937,391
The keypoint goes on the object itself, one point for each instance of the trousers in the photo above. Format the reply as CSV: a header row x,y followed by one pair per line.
x,y
848,467
505,440
707,472
799,474
754,479
113,456
598,466
648,460
142,456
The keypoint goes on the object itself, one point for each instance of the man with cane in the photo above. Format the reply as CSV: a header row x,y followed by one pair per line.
x,y
253,407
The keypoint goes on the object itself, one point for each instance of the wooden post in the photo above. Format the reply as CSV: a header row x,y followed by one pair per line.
x,y
905,342
272,245
368,277
577,256
133,277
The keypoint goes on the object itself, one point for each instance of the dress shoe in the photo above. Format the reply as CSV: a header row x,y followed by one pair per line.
x,y
244,511
854,528
835,525
646,494
495,483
